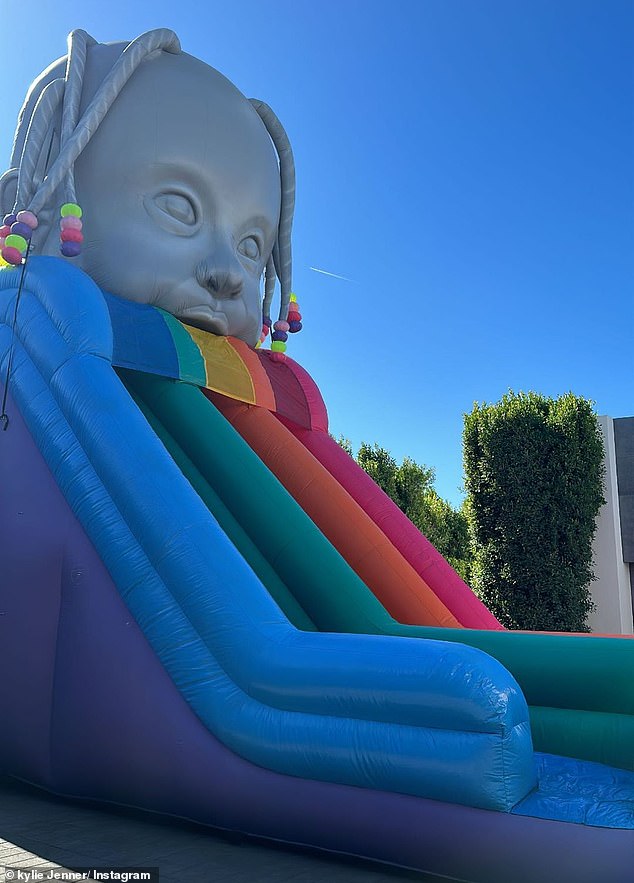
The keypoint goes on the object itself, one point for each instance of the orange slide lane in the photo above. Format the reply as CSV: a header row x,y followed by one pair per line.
x,y
340,518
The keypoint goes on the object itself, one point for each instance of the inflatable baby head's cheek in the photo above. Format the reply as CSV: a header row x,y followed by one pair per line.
x,y
186,186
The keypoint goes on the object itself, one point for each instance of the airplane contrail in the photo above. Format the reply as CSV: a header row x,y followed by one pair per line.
x,y
334,275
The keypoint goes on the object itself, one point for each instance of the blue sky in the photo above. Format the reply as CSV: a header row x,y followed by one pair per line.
x,y
469,165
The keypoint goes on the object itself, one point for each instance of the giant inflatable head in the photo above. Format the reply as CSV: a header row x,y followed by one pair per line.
x,y
186,186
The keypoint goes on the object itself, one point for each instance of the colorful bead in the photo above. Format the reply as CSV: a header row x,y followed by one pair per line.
x,y
15,241
5,231
294,316
8,220
292,297
295,327
71,235
27,218
258,344
281,326
278,346
70,223
70,209
265,330
267,321
279,335
278,357
12,255
70,249
20,229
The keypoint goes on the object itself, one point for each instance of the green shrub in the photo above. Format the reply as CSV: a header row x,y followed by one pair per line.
x,y
534,479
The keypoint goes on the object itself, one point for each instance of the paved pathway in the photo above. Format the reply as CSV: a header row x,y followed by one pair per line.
x,y
41,830
13,856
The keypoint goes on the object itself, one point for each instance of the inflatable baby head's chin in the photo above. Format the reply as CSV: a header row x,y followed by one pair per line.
x,y
186,187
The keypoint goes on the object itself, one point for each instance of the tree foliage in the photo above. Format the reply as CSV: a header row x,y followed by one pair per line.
x,y
534,479
410,486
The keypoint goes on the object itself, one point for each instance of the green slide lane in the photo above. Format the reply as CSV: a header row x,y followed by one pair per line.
x,y
249,551
303,559
580,691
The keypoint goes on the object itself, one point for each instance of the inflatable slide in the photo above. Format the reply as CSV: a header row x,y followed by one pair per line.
x,y
186,631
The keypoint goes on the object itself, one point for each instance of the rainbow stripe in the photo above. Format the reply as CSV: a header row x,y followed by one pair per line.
x,y
148,339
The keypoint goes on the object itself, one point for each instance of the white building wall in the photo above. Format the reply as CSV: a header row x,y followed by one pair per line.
x,y
611,591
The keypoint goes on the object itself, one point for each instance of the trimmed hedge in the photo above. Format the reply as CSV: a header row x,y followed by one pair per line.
x,y
534,479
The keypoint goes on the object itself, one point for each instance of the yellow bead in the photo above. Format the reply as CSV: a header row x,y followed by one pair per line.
x,y
293,298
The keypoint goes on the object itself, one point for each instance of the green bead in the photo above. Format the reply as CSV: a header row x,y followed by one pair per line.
x,y
278,346
15,241
71,209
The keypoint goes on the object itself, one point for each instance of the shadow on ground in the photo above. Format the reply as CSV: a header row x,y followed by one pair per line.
x,y
75,834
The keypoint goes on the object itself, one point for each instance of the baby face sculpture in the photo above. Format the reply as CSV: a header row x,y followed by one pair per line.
x,y
180,189
186,187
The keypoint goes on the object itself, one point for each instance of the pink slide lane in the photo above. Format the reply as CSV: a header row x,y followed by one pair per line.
x,y
413,546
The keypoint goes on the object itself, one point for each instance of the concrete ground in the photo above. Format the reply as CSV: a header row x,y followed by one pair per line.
x,y
39,829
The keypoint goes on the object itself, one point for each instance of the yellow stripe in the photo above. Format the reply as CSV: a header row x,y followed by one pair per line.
x,y
225,369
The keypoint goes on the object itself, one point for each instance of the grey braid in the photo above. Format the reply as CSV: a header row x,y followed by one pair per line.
x,y
78,43
282,254
39,128
121,72
269,288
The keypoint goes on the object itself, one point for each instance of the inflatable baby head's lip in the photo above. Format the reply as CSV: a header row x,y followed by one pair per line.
x,y
204,317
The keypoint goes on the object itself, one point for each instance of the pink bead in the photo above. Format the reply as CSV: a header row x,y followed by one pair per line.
x,y
278,357
5,231
281,326
70,223
71,235
27,218
12,255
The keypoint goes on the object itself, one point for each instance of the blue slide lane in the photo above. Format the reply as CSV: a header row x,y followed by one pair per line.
x,y
437,720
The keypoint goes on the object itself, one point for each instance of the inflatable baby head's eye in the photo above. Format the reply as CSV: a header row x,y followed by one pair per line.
x,y
250,248
177,206
175,211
